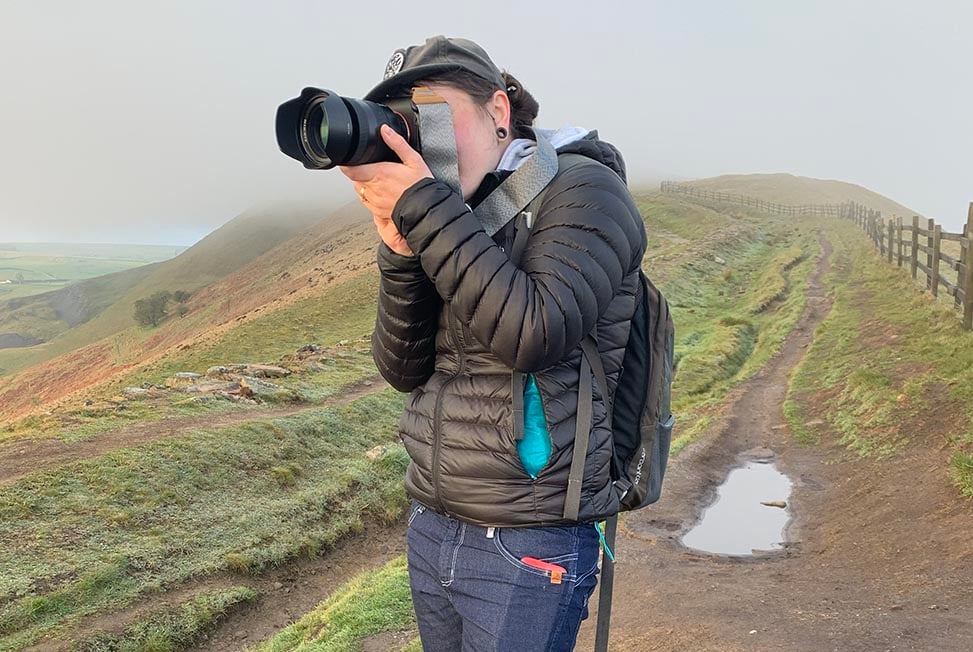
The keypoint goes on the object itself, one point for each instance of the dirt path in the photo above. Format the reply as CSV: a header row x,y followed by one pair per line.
x,y
286,593
23,456
879,553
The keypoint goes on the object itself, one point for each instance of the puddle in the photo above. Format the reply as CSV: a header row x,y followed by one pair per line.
x,y
737,524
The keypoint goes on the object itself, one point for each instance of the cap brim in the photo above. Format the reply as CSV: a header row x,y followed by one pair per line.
x,y
394,84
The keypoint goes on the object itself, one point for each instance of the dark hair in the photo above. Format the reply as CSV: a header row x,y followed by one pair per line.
x,y
523,106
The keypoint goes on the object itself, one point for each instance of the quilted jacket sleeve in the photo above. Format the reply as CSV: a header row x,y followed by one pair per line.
x,y
587,237
404,341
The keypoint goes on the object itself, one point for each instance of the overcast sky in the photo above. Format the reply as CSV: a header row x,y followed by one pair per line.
x,y
153,122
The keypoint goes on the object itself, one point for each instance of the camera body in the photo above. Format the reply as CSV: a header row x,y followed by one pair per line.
x,y
322,129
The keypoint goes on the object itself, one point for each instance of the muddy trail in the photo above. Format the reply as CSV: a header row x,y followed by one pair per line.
x,y
877,555
26,455
284,594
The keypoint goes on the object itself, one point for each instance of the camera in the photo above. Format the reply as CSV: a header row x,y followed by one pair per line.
x,y
322,129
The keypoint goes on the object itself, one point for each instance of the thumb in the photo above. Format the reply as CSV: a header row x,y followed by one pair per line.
x,y
400,146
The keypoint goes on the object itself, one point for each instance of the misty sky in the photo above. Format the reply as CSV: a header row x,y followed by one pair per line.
x,y
153,122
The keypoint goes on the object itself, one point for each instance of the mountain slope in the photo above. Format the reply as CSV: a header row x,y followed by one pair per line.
x,y
331,251
791,189
85,312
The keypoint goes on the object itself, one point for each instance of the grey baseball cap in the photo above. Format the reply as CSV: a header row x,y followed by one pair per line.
x,y
438,54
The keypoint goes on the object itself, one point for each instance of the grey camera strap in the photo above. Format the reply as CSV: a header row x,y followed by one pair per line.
x,y
438,142
512,195
517,190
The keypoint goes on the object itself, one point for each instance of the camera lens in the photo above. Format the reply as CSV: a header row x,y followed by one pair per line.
x,y
322,129
317,129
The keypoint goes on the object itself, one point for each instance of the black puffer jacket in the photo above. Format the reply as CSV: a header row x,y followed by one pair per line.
x,y
456,317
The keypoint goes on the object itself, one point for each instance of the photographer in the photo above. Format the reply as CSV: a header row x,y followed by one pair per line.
x,y
496,560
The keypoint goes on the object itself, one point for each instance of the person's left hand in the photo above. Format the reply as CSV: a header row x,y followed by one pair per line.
x,y
384,183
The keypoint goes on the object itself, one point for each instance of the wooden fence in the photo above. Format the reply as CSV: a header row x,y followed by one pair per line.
x,y
916,245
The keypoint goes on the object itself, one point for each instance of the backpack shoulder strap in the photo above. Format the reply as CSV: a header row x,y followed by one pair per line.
x,y
590,365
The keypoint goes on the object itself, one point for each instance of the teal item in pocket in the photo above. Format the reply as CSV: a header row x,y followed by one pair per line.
x,y
535,448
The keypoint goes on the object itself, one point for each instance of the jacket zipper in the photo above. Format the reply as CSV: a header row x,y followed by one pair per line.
x,y
438,420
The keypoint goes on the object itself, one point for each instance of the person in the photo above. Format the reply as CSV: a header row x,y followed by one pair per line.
x,y
493,562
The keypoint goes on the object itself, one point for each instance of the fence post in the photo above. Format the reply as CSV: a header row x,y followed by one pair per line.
x,y
898,239
930,229
891,238
968,273
936,240
915,246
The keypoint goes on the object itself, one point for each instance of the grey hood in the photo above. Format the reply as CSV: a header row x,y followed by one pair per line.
x,y
566,139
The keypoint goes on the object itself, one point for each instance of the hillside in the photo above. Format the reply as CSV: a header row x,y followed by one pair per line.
x,y
791,189
298,267
84,313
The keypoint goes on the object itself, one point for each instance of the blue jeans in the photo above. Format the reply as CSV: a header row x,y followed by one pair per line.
x,y
472,592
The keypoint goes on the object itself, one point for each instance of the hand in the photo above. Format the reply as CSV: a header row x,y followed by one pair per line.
x,y
384,183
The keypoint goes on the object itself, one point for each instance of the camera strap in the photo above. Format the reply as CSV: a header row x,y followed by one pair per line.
x,y
509,198
438,140
516,192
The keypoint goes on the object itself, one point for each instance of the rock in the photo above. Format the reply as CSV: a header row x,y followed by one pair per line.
x,y
343,342
216,370
315,367
719,260
309,348
278,585
135,391
367,383
267,371
774,503
261,389
227,386
376,452
188,374
815,422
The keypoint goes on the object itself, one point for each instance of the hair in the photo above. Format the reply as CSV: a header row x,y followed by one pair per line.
x,y
523,106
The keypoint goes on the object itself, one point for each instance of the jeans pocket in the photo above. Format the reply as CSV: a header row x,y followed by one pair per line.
x,y
555,545
417,508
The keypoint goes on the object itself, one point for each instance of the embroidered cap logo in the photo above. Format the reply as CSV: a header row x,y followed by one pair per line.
x,y
395,64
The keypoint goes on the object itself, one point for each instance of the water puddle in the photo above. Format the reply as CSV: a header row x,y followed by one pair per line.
x,y
738,523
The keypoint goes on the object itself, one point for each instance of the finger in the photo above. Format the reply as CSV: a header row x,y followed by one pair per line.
x,y
400,146
356,172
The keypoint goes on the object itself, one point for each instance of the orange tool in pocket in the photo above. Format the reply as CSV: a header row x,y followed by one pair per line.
x,y
557,572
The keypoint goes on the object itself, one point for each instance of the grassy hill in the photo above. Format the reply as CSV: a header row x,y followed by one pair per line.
x,y
790,189
105,302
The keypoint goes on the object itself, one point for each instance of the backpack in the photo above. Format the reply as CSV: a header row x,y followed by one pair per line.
x,y
640,409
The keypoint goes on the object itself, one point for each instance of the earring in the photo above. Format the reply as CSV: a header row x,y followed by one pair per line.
x,y
501,132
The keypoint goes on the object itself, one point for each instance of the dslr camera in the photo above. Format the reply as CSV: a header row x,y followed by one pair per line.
x,y
322,129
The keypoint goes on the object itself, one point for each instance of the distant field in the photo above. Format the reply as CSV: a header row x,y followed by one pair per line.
x,y
37,267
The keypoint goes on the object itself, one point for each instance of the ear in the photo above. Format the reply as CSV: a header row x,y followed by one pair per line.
x,y
500,109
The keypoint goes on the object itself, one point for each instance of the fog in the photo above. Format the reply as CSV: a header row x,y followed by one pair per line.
x,y
153,122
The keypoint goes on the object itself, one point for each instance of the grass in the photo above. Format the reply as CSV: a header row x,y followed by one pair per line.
x,y
170,630
338,369
889,368
372,602
94,535
714,268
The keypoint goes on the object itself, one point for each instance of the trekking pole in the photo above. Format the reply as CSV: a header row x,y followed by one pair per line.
x,y
605,594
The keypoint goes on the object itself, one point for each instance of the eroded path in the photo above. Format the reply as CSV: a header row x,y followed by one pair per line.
x,y
879,553
25,455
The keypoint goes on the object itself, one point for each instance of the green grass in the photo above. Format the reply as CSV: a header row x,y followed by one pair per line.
x,y
94,535
170,630
961,468
714,268
890,367
373,602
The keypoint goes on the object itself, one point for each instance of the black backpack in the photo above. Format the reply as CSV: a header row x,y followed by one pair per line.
x,y
641,414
